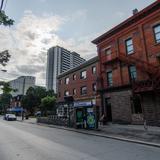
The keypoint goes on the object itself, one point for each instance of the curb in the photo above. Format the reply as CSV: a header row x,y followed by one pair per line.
x,y
103,135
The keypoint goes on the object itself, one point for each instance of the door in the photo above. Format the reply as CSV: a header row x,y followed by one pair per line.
x,y
108,110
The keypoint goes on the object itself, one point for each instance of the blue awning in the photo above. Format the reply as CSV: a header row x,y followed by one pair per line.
x,y
16,109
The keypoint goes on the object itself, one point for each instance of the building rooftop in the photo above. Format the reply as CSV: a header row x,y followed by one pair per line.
x,y
83,65
136,17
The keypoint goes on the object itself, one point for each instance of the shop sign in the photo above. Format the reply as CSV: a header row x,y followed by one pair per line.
x,y
83,104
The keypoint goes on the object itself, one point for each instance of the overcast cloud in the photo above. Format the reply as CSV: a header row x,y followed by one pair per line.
x,y
29,40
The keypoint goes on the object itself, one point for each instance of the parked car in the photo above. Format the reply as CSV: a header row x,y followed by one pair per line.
x,y
38,114
10,117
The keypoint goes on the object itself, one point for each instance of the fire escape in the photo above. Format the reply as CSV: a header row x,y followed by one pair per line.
x,y
153,72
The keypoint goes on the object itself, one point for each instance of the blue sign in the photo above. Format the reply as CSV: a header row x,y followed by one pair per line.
x,y
16,109
83,104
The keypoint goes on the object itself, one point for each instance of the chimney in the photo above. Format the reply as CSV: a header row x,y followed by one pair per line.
x,y
135,11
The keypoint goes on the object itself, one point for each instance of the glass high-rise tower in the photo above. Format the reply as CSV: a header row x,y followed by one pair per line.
x,y
60,60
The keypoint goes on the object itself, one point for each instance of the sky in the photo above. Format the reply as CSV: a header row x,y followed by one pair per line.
x,y
72,24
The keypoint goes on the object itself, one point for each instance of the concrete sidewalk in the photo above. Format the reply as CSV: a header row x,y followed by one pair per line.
x,y
129,133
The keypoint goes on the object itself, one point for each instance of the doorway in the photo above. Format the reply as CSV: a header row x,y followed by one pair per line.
x,y
108,110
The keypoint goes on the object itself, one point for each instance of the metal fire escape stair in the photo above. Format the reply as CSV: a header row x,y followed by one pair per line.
x,y
153,81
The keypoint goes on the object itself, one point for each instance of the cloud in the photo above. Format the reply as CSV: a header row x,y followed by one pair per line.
x,y
30,69
29,40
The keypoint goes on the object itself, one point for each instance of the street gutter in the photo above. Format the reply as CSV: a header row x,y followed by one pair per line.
x,y
102,135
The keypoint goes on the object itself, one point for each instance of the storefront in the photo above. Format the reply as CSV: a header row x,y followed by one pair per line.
x,y
85,115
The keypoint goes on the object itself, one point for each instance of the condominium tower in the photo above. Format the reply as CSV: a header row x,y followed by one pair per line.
x,y
60,60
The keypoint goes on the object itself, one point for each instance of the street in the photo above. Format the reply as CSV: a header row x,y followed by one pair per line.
x,y
26,141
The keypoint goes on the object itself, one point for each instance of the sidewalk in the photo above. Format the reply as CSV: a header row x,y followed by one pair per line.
x,y
129,133
134,132
30,120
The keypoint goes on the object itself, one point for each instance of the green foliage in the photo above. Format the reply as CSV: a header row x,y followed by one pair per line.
x,y
32,100
51,93
6,96
5,20
48,103
4,57
5,101
6,88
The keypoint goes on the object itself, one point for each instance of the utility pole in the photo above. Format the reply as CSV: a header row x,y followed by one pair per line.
x,y
1,5
23,92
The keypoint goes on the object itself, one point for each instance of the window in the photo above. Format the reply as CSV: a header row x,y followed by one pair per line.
x,y
94,88
83,90
74,77
108,51
136,105
74,91
157,33
83,75
129,46
132,72
66,93
109,79
93,70
59,94
67,80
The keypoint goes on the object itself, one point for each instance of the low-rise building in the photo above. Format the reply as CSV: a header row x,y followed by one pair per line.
x,y
77,88
129,77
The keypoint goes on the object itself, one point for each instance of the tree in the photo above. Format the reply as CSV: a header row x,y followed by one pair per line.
x,y
6,96
5,101
51,93
4,19
30,101
40,92
6,88
4,57
48,104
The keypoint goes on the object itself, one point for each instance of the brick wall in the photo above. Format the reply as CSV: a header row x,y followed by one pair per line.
x,y
78,83
121,106
151,107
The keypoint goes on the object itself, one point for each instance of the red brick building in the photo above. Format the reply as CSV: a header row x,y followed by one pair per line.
x,y
79,86
129,81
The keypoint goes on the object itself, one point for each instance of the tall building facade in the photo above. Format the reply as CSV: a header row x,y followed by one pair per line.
x,y
60,60
21,85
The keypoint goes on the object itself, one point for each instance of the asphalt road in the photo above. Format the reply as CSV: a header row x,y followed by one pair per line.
x,y
24,141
